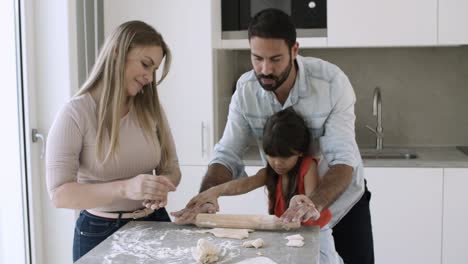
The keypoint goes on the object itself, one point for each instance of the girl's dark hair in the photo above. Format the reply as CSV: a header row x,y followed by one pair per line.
x,y
273,23
285,134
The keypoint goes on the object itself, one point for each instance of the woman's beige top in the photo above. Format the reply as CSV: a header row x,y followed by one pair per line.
x,y
71,151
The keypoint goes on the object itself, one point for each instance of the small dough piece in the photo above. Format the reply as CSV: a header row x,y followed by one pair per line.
x,y
295,237
257,260
228,232
295,243
205,252
257,243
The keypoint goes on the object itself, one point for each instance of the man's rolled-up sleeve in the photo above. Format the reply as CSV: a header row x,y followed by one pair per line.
x,y
234,142
338,144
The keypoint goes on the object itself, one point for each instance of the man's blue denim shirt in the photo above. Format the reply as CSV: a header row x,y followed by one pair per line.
x,y
324,97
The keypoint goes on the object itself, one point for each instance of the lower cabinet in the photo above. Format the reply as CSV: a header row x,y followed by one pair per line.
x,y
406,211
455,228
255,202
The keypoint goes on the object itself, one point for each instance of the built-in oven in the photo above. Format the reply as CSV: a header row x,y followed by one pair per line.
x,y
310,17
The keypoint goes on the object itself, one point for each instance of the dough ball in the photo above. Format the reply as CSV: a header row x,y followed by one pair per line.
x,y
205,252
257,243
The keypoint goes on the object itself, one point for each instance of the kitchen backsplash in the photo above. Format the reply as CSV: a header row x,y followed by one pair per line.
x,y
424,91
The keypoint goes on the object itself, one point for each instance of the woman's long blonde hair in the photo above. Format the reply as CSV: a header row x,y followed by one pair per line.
x,y
109,70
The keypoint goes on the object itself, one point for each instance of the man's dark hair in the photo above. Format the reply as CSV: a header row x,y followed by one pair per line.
x,y
273,23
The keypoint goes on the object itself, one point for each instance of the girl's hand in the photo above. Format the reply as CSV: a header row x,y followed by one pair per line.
x,y
189,214
205,202
147,187
208,196
301,209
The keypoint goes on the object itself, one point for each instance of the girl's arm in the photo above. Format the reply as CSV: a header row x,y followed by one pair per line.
x,y
235,187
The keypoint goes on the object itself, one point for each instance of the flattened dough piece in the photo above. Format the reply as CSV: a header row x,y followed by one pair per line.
x,y
228,232
205,252
295,243
256,243
295,237
257,260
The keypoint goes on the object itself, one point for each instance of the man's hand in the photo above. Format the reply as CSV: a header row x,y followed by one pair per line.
x,y
301,209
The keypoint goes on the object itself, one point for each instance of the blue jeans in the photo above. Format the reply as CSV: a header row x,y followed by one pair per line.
x,y
90,230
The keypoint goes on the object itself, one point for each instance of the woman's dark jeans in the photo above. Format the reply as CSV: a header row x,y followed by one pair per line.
x,y
90,230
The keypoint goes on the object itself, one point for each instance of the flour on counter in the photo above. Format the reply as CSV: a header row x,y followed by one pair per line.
x,y
142,245
257,260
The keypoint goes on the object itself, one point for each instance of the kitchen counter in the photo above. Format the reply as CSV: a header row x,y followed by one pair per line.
x,y
162,242
430,157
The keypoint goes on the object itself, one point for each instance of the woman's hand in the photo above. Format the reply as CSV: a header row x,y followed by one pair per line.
x,y
148,187
301,209
154,205
205,202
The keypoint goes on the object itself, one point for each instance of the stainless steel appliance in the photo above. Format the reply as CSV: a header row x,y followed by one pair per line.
x,y
310,17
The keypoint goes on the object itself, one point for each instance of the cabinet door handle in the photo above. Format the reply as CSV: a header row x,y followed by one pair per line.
x,y
36,136
203,139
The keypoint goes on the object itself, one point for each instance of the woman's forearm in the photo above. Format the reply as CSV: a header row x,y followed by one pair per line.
x,y
175,176
80,196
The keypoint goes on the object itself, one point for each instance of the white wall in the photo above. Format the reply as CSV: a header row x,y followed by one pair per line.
x,y
12,230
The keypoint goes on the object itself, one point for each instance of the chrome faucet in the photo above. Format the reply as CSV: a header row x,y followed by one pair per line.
x,y
377,111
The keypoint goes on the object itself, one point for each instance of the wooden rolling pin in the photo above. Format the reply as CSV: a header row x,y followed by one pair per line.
x,y
263,222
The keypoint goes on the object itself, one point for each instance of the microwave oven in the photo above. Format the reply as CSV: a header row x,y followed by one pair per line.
x,y
309,17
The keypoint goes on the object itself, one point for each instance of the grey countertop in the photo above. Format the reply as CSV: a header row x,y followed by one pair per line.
x,y
162,242
430,157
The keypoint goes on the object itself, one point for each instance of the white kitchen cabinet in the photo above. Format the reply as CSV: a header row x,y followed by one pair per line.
x,y
406,211
188,187
455,231
365,23
187,92
255,202
453,21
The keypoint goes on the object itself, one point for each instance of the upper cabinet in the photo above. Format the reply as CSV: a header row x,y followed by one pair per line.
x,y
453,22
186,93
369,23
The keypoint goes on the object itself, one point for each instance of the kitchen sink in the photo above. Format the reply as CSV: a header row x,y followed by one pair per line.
x,y
389,153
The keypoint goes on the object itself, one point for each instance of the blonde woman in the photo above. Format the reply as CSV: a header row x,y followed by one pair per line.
x,y
110,140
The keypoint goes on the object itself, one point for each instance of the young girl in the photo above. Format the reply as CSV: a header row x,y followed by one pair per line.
x,y
289,172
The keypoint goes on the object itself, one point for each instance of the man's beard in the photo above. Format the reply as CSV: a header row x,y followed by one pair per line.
x,y
278,80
